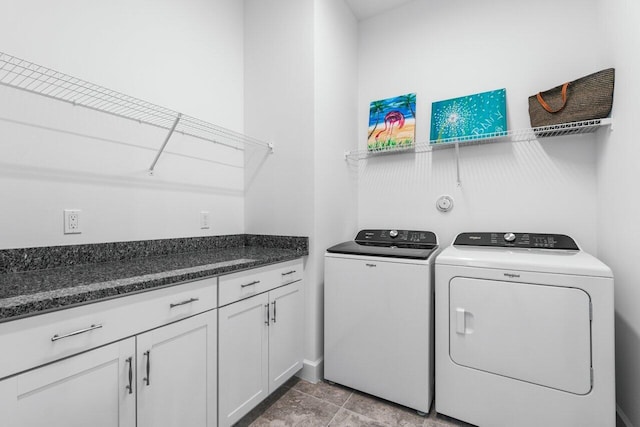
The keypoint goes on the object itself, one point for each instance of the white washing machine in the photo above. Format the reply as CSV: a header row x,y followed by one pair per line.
x,y
524,332
378,315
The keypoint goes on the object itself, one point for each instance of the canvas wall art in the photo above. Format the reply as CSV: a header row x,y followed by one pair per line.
x,y
469,117
392,123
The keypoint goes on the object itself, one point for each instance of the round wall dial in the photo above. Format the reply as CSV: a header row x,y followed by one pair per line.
x,y
444,203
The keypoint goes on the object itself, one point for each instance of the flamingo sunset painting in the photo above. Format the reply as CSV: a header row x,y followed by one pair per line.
x,y
469,117
392,123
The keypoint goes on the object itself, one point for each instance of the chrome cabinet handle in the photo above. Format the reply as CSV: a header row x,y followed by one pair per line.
x,y
274,312
57,337
130,386
288,272
147,379
189,301
255,282
266,322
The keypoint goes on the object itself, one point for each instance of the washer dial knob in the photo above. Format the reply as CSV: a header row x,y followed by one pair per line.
x,y
509,237
393,233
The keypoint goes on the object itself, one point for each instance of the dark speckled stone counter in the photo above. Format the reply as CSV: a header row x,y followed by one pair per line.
x,y
38,280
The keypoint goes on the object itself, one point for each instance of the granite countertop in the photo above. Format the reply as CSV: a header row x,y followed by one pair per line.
x,y
26,289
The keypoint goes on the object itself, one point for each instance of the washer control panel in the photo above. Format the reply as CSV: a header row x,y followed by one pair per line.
x,y
393,236
519,240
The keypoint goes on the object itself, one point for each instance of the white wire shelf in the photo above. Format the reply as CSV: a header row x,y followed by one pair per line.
x,y
24,75
529,134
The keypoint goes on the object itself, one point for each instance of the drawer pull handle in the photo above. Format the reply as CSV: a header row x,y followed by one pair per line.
x,y
130,386
255,282
189,301
57,337
289,272
147,379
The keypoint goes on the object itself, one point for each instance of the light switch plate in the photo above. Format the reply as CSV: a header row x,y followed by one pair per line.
x,y
204,220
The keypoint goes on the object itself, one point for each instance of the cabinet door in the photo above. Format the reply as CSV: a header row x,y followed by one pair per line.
x,y
243,352
90,389
286,333
177,374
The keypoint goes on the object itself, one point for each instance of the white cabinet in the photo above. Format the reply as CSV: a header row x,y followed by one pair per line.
x,y
260,338
152,359
243,357
157,368
29,342
89,389
176,375
286,334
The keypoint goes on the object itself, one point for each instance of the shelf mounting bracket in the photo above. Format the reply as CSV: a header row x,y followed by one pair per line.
x,y
164,144
458,182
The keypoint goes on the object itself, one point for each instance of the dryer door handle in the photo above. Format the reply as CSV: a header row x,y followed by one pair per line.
x,y
460,321
464,321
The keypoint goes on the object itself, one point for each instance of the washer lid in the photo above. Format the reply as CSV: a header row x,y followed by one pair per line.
x,y
409,244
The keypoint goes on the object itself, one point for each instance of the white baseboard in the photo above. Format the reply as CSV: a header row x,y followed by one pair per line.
x,y
312,370
623,417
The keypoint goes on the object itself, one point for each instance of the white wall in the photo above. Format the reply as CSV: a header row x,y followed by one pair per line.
x,y
279,103
336,90
449,49
618,201
300,90
279,106
184,55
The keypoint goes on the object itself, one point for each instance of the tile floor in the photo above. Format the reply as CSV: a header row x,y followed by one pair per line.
x,y
300,403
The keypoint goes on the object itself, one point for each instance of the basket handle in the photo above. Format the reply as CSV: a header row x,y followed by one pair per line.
x,y
547,107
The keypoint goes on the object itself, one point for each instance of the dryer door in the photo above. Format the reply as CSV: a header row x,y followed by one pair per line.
x,y
534,333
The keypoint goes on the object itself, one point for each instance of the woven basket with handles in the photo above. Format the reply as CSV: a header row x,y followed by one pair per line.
x,y
589,97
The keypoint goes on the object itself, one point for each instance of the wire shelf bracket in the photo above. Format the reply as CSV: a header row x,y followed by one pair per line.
x,y
164,144
30,77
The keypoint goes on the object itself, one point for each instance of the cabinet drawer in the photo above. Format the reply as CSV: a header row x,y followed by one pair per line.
x,y
237,286
34,341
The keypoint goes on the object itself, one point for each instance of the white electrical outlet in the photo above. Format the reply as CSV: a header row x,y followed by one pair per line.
x,y
204,220
72,221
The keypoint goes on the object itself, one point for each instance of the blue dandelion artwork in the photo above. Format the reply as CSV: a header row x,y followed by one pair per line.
x,y
477,116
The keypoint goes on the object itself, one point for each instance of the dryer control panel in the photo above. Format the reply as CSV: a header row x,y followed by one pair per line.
x,y
518,240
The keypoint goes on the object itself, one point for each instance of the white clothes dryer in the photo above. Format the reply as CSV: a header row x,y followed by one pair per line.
x,y
524,332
